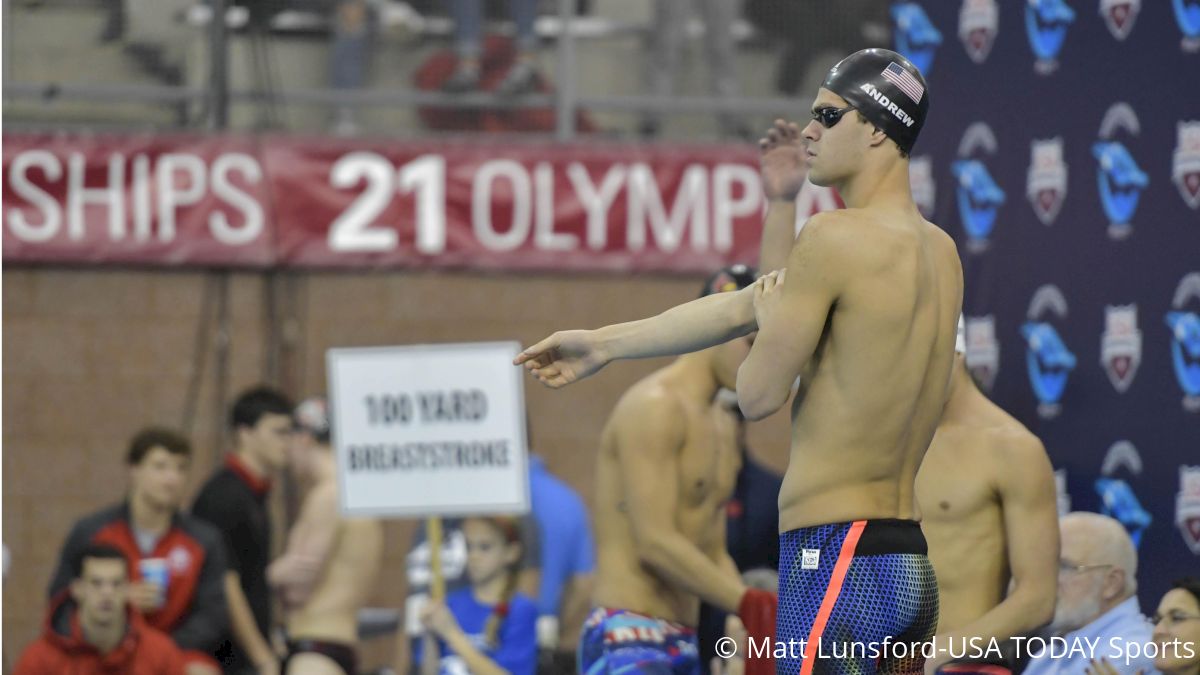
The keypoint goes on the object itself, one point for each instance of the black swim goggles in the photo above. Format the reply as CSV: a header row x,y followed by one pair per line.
x,y
829,116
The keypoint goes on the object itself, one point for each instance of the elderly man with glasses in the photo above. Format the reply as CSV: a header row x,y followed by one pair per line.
x,y
1097,612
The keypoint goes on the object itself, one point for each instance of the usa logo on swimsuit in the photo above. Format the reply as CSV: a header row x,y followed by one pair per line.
x,y
983,350
1119,16
1187,507
1184,322
1046,23
1187,15
916,36
1121,345
1047,359
1046,181
978,22
1185,163
978,196
1121,181
920,178
1117,499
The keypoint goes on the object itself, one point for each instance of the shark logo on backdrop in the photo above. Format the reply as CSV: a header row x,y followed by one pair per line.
x,y
1046,182
920,178
1184,322
1046,23
916,36
1187,507
1047,358
1117,499
1121,345
983,350
978,196
1120,178
978,22
1062,494
1187,15
1185,162
1119,16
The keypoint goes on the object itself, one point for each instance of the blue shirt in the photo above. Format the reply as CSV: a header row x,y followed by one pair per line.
x,y
1111,634
517,648
566,536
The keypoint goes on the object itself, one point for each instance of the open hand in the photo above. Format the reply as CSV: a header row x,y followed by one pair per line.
x,y
781,161
564,357
768,291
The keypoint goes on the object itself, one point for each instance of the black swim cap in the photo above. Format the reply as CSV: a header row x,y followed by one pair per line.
x,y
732,278
886,89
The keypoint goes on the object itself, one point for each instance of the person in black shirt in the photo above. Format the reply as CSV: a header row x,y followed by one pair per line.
x,y
234,499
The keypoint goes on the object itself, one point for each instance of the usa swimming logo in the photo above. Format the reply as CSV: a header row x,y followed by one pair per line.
x,y
1185,163
1047,359
1117,499
1187,507
916,36
1184,322
983,350
1046,24
1121,181
1187,15
1046,181
920,179
1121,345
978,22
1119,16
978,196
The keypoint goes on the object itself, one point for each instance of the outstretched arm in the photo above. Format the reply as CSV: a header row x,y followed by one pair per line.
x,y
569,356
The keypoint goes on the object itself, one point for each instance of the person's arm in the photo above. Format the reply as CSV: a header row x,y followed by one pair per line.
x,y
649,434
245,629
297,571
569,356
208,616
783,170
426,654
791,313
1030,511
442,622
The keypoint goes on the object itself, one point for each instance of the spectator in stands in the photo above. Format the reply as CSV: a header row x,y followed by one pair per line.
x,y
671,18
1177,629
350,55
92,628
468,29
568,562
1097,597
234,500
176,562
454,567
488,627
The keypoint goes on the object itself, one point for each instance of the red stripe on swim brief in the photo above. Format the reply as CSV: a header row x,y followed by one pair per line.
x,y
831,594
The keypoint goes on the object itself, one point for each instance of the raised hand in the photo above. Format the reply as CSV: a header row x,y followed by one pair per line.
x,y
563,358
781,161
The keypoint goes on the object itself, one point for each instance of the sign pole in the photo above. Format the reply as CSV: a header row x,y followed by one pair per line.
x,y
437,584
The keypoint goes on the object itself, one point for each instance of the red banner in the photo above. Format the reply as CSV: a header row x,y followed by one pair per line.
x,y
263,201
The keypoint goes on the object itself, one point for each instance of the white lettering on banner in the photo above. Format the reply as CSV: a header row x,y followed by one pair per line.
x,y
142,216
597,202
544,235
170,195
51,218
645,201
253,221
427,176
727,208
113,195
354,229
481,204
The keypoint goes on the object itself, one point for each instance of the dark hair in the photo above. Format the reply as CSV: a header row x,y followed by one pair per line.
x,y
254,403
157,437
95,552
731,278
1189,584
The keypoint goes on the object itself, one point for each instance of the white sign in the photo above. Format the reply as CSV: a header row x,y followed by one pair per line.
x,y
428,430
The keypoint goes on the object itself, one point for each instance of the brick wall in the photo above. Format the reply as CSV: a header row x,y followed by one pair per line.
x,y
90,356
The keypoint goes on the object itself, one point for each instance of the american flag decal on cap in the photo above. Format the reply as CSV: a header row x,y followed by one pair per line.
x,y
908,84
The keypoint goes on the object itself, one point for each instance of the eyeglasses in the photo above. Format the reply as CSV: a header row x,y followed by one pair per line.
x,y
1173,618
1065,567
829,116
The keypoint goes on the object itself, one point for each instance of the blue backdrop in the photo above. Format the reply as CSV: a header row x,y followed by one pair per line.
x,y
1062,151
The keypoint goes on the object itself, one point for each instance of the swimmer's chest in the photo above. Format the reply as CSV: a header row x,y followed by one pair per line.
x,y
709,460
954,485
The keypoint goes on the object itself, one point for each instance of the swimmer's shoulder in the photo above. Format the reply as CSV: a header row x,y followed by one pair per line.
x,y
1016,452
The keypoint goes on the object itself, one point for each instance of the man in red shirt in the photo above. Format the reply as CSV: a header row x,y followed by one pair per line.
x,y
176,562
92,628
